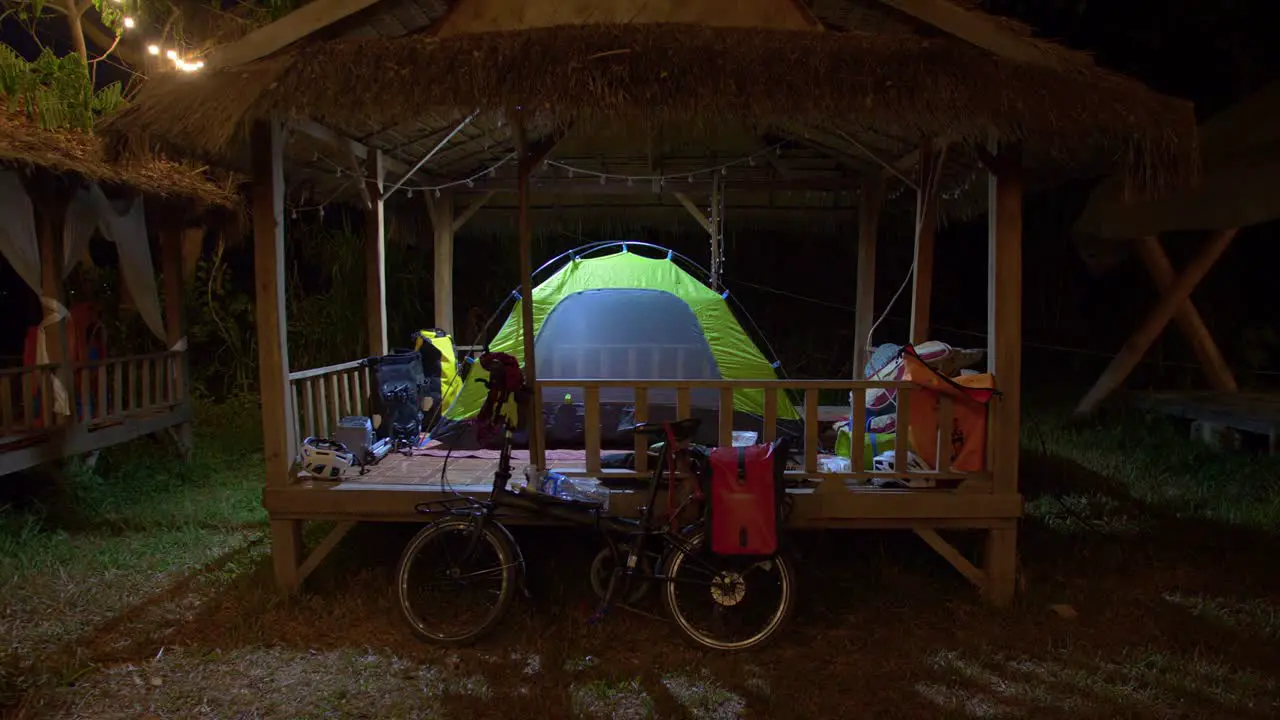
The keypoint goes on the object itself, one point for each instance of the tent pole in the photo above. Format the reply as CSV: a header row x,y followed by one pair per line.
x,y
536,455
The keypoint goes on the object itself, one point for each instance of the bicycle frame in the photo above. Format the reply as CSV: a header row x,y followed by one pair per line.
x,y
482,513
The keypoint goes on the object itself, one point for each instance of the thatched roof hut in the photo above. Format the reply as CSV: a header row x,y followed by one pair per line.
x,y
854,83
25,145
1240,171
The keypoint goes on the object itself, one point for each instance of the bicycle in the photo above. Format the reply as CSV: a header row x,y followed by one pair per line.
x,y
679,556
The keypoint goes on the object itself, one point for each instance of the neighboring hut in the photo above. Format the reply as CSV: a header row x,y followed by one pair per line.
x,y
1239,187
69,395
589,106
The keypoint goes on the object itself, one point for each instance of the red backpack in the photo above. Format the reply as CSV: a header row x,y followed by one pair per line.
x,y
744,498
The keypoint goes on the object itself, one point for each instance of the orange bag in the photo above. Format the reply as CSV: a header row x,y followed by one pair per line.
x,y
969,396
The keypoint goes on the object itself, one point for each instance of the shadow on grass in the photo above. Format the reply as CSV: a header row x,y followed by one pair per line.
x,y
879,633
1178,616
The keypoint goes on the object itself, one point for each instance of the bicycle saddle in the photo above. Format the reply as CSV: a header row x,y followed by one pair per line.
x,y
683,429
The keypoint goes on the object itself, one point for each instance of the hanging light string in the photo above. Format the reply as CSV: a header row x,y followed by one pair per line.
x,y
689,176
117,16
490,171
662,178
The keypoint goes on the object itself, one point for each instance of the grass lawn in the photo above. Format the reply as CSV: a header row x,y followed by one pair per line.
x,y
143,590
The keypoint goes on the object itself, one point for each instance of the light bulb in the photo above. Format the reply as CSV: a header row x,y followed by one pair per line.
x,y
129,23
153,49
172,54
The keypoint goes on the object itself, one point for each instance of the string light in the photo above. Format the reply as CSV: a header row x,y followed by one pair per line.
x,y
129,22
723,169
962,188
602,177
153,49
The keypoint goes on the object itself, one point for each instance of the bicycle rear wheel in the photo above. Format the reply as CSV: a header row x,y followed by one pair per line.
x,y
451,599
728,603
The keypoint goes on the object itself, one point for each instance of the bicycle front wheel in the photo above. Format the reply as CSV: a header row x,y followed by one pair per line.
x,y
454,585
728,603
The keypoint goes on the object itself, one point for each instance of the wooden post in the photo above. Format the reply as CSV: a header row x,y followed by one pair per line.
x,y
716,237
375,255
536,455
1137,345
50,208
926,229
172,240
192,249
267,143
442,221
868,226
1187,317
1004,357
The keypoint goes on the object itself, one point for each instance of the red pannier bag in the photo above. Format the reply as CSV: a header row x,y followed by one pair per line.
x,y
744,498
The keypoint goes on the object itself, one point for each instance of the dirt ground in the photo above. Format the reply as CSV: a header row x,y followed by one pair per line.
x,y
1131,607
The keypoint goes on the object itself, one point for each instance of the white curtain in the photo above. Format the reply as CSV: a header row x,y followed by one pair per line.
x,y
18,229
19,245
124,224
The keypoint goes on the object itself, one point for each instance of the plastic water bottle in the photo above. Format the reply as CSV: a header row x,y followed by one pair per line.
x,y
552,483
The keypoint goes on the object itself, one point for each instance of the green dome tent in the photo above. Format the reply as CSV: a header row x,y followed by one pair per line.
x,y
623,315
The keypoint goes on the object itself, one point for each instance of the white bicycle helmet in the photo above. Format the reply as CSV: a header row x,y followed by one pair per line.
x,y
326,459
915,464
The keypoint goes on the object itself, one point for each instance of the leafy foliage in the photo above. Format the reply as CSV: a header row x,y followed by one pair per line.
x,y
55,92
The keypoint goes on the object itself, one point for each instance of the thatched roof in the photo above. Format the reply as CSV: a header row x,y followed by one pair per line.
x,y
1240,174
1069,115
23,144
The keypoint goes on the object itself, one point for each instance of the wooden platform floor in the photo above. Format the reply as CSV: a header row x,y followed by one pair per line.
x,y
392,488
42,445
1252,412
458,472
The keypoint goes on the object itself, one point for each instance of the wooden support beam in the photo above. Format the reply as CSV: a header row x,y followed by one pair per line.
x,y
695,211
1004,356
926,230
528,160
375,256
192,249
974,27
654,156
267,151
345,146
471,210
1187,317
717,207
541,150
175,323
269,290
953,556
50,209
443,224
498,15
326,546
1138,343
869,202
300,23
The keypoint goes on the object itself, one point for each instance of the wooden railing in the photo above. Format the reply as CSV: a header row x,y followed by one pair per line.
x,y
100,392
20,413
769,426
324,395
116,388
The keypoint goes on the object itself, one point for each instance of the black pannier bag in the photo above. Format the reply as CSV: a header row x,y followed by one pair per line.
x,y
395,405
